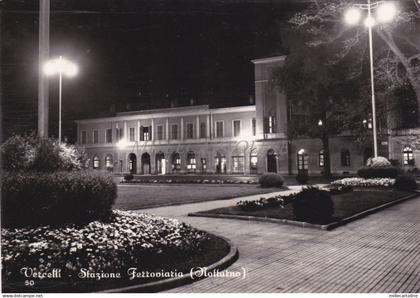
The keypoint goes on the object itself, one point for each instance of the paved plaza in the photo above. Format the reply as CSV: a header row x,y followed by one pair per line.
x,y
379,253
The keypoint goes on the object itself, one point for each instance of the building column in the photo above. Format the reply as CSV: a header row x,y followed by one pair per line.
x,y
152,133
208,127
137,137
198,127
182,128
167,129
125,130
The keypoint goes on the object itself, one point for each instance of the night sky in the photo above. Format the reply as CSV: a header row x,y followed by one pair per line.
x,y
136,55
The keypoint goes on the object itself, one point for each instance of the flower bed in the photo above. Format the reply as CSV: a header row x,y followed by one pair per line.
x,y
362,182
192,181
129,240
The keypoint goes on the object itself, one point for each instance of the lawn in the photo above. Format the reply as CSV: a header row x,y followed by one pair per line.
x,y
345,205
141,196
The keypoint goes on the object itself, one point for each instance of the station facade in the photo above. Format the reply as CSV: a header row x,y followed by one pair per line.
x,y
234,140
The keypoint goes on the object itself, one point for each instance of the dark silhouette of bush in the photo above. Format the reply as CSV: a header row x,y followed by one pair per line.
x,y
128,177
302,178
378,172
407,183
271,180
36,198
313,205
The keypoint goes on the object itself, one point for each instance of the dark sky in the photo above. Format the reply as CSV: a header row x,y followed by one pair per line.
x,y
144,54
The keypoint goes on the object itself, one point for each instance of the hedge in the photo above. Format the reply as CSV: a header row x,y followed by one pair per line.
x,y
379,172
313,205
35,198
271,180
407,183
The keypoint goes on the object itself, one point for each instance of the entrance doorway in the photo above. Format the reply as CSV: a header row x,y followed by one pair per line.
x,y
271,161
132,163
145,163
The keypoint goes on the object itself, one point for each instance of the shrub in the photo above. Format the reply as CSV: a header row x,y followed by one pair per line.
x,y
361,182
128,177
302,178
271,180
405,182
377,162
33,198
378,172
313,205
29,153
338,189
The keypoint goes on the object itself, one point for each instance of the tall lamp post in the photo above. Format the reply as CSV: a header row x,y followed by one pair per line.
x,y
60,66
385,12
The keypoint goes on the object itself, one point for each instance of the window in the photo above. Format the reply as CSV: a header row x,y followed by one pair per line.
x,y
176,161
236,128
108,135
271,124
132,134
190,131
95,136
191,162
254,126
159,132
203,165
253,162
321,158
203,133
238,163
408,158
174,131
83,137
220,163
302,160
219,129
345,158
145,133
119,133
109,162
96,162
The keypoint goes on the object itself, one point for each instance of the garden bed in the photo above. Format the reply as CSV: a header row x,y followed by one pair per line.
x,y
91,257
350,205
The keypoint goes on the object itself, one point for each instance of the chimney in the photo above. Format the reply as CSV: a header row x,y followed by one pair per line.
x,y
191,101
112,108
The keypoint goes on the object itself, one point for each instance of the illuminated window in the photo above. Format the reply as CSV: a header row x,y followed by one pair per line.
x,y
321,158
176,161
408,158
238,164
191,162
96,162
109,162
302,160
145,133
119,132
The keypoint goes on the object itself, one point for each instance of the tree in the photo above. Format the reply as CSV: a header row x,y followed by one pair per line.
x,y
323,101
396,44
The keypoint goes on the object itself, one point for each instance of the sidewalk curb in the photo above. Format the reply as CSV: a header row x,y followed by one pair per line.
x,y
326,227
170,283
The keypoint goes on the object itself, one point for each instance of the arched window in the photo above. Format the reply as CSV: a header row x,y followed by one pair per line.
x,y
191,162
176,161
345,158
408,158
96,162
302,160
321,158
109,164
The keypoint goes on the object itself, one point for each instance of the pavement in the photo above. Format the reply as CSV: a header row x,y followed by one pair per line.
x,y
376,254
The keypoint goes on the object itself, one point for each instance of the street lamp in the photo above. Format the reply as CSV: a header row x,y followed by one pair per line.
x,y
385,12
60,66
